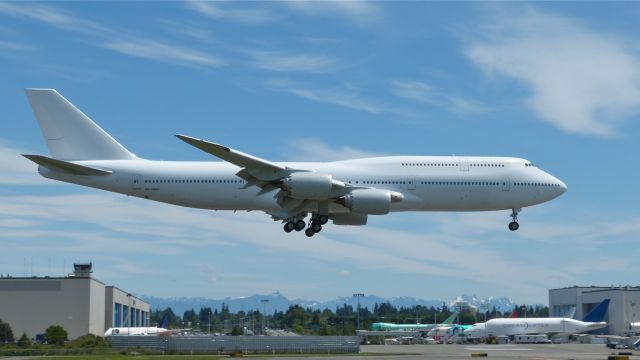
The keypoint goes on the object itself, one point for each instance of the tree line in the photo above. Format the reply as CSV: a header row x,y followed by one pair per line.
x,y
341,321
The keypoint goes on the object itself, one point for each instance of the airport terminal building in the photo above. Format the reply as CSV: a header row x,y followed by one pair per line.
x,y
624,307
78,302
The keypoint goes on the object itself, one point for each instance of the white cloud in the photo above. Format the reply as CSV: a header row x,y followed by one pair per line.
x,y
284,62
52,16
358,12
153,50
244,15
424,93
17,170
108,38
581,80
14,46
316,150
342,97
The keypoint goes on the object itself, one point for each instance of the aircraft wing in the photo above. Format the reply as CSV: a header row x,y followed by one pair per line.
x,y
259,168
321,189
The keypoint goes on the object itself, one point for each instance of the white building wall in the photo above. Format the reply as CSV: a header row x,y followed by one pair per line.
x,y
623,308
32,305
80,305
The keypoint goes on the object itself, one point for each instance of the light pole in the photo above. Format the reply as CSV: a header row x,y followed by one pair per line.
x,y
358,296
264,314
209,325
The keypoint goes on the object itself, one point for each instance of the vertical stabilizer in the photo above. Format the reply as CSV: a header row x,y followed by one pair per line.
x,y
70,134
597,314
165,322
450,319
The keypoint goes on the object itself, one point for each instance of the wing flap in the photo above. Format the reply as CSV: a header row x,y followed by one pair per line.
x,y
65,166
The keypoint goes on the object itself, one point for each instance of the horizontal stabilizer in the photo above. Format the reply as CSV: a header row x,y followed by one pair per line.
x,y
65,166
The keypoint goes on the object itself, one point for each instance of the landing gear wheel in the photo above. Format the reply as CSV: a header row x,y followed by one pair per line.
x,y
289,226
323,219
513,225
316,227
300,225
309,232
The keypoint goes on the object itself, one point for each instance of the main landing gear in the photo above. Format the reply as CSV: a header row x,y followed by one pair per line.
x,y
315,225
294,224
513,226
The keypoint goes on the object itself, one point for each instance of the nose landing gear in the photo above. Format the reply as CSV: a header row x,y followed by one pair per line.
x,y
513,225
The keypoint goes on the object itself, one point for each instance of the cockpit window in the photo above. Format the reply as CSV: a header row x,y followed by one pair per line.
x,y
528,164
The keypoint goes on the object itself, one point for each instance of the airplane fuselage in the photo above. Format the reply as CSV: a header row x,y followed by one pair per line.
x,y
427,183
508,327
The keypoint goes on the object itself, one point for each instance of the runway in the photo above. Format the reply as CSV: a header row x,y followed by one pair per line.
x,y
511,351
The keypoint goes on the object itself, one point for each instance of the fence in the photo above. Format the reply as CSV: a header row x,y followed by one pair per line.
x,y
245,344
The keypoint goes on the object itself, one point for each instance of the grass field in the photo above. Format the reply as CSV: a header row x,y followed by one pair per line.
x,y
129,357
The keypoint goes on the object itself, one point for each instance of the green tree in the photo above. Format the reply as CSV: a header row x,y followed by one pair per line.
x,y
24,341
6,334
237,331
56,334
89,341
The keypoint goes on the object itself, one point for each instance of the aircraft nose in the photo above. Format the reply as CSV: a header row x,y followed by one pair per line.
x,y
563,186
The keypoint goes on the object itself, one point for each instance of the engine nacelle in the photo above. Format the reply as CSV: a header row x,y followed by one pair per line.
x,y
370,201
349,219
308,185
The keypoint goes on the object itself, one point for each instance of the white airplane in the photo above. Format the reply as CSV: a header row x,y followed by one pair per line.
x,y
346,192
136,331
549,326
145,331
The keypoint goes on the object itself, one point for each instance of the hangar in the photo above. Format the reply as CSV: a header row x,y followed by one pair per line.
x,y
624,307
77,302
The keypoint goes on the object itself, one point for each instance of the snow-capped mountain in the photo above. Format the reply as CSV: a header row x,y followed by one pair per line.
x,y
279,302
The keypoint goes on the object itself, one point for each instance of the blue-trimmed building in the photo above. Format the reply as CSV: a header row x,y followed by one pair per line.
x,y
624,307
78,302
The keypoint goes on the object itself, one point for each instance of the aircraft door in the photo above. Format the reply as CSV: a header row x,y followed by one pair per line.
x,y
136,182
506,184
464,165
411,182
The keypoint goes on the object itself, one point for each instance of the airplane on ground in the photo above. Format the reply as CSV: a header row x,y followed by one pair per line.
x,y
549,326
163,329
346,192
382,326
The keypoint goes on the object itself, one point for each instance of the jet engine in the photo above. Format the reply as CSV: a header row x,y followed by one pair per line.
x,y
370,201
308,185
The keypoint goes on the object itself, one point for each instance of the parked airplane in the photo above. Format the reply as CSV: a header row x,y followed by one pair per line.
x,y
346,192
382,326
549,326
135,331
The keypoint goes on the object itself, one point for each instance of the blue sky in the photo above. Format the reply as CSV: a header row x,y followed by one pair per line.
x,y
556,83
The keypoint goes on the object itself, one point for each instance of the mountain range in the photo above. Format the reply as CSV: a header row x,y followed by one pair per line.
x,y
279,302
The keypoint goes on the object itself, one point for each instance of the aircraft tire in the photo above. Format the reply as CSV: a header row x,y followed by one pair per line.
x,y
513,226
300,225
309,232
289,226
